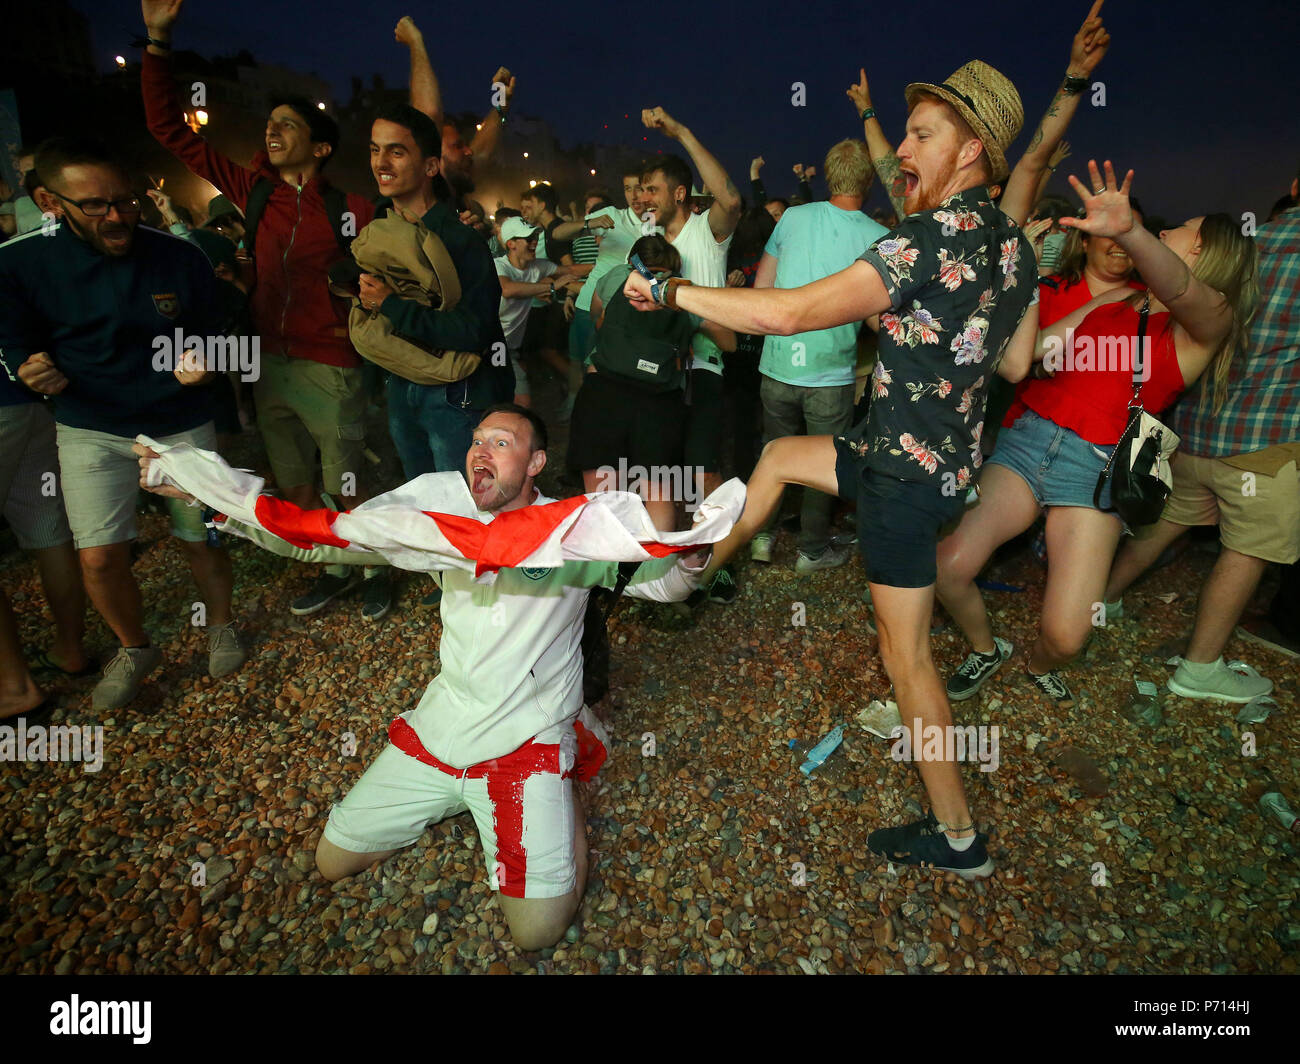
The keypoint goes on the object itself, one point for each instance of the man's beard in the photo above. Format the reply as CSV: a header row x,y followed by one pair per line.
x,y
95,240
930,194
461,183
497,495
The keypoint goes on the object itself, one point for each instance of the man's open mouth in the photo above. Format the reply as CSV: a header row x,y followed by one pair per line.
x,y
274,145
910,182
481,479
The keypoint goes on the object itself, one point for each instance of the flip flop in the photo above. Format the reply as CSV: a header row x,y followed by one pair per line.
x,y
36,715
42,662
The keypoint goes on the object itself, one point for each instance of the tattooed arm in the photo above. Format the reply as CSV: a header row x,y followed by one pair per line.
x,y
882,152
1087,50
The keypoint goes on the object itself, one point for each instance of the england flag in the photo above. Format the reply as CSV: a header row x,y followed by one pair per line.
x,y
431,522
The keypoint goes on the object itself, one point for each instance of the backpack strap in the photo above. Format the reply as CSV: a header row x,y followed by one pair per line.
x,y
254,208
626,570
336,209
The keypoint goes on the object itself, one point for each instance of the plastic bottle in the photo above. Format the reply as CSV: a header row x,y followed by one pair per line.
x,y
819,753
1143,706
1275,805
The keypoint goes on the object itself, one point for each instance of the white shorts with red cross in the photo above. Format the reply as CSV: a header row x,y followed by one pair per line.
x,y
522,803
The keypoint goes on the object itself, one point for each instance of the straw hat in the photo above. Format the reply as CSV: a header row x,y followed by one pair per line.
x,y
987,101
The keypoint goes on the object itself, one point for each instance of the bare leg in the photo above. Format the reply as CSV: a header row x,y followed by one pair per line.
x,y
1226,593
903,621
1138,554
1006,508
536,923
335,863
61,579
114,592
215,580
1080,543
18,691
807,460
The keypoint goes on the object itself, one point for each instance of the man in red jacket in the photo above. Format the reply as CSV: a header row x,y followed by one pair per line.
x,y
309,393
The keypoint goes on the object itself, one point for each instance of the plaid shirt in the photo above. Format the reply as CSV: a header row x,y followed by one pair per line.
x,y
1262,407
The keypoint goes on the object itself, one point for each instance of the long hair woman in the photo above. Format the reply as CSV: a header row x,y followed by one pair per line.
x,y
1202,292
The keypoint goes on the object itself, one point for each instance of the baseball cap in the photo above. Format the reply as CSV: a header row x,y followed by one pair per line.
x,y
516,229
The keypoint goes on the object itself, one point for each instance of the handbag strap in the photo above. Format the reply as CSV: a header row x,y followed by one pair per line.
x,y
1139,355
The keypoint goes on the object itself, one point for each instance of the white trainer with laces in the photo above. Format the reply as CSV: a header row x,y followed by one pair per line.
x,y
1233,681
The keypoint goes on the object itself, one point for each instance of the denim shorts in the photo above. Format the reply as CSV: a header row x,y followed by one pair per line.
x,y
1060,466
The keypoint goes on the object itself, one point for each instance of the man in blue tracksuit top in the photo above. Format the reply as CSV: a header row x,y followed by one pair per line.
x,y
96,312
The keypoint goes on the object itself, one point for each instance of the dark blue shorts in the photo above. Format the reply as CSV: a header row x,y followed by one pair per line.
x,y
899,521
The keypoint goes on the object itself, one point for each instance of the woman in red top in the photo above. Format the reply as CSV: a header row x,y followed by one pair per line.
x,y
1202,293
1090,267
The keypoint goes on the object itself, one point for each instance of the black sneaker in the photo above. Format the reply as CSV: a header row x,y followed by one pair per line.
x,y
1051,684
432,598
924,843
325,590
723,589
377,596
977,668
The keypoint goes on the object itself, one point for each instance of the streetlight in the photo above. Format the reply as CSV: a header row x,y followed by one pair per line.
x,y
593,173
202,117
532,184
121,61
479,126
525,155
320,105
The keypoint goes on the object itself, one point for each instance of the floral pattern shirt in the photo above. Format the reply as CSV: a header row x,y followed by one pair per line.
x,y
960,277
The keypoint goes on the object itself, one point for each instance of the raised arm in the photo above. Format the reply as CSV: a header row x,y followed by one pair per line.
x,y
878,146
1086,51
485,141
725,212
426,94
1202,312
164,112
756,181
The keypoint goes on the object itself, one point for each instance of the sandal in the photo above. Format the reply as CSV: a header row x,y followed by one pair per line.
x,y
42,662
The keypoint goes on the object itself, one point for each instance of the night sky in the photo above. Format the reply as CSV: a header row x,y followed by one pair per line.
x,y
1200,95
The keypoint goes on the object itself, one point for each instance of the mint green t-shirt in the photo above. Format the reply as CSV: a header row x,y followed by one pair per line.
x,y
812,241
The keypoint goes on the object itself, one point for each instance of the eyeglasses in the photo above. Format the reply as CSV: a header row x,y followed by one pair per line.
x,y
98,208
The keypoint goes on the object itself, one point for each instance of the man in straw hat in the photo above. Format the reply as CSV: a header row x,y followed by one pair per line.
x,y
955,285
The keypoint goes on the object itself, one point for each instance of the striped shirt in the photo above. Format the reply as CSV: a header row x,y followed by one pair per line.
x,y
585,250
1261,409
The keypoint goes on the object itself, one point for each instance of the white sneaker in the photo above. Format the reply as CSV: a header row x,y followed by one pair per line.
x,y
1234,681
760,548
831,558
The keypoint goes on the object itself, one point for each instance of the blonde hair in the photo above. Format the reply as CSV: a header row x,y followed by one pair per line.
x,y
1228,264
848,169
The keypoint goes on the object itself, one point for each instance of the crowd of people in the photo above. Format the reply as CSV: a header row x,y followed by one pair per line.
x,y
903,362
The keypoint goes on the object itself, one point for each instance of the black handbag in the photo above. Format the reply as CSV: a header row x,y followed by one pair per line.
x,y
1138,469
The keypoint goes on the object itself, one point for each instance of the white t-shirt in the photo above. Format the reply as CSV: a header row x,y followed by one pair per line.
x,y
514,312
704,262
614,247
511,651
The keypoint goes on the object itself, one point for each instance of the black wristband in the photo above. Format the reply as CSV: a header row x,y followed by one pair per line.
x,y
1072,86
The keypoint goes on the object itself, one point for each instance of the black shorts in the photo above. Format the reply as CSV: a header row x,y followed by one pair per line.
x,y
614,420
546,328
705,424
899,521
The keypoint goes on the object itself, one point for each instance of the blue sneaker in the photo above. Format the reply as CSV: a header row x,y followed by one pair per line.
x,y
924,843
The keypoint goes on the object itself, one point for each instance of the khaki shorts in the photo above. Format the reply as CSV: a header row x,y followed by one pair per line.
x,y
1257,515
30,495
101,486
303,407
